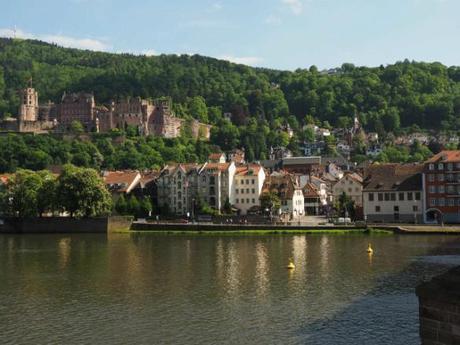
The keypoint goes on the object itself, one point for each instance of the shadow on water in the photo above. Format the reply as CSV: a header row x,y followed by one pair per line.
x,y
386,313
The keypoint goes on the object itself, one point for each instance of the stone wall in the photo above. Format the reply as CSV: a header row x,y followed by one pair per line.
x,y
439,305
64,225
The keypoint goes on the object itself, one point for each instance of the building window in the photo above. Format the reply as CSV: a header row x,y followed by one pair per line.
x,y
396,208
393,196
451,202
401,196
410,196
450,177
458,165
242,191
451,189
237,201
380,196
418,196
415,208
247,191
433,202
242,201
371,197
449,166
432,189
431,167
387,196
247,201
237,191
377,209
253,191
441,189
431,177
440,166
253,201
441,202
253,181
441,177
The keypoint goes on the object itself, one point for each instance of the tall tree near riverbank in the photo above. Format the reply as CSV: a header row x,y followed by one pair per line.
x,y
81,192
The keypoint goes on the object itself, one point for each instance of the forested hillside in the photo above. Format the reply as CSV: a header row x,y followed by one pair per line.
x,y
386,98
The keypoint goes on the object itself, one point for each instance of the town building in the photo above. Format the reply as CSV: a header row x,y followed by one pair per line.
x,y
441,179
215,183
217,158
393,193
121,182
177,188
287,187
352,185
312,200
237,156
303,165
247,187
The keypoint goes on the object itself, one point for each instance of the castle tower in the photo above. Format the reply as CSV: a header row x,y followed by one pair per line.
x,y
28,110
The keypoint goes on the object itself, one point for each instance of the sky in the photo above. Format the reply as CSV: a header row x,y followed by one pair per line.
x,y
281,34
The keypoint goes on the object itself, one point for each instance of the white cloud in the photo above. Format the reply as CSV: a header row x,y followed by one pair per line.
x,y
62,40
150,52
273,20
244,60
296,6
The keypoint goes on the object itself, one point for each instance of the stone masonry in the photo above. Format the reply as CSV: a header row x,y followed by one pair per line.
x,y
439,305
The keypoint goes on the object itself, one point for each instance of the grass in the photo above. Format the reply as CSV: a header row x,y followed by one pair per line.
x,y
262,232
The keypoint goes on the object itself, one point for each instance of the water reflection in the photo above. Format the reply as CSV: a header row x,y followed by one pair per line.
x,y
147,289
262,270
232,270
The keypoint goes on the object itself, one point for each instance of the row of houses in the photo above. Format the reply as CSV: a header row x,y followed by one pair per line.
x,y
383,193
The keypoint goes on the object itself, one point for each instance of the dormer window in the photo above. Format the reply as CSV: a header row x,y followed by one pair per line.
x,y
440,166
431,166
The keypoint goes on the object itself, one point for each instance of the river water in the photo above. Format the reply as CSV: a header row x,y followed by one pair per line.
x,y
146,289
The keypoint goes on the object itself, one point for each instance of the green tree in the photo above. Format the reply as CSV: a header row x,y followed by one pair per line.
x,y
76,127
197,108
270,201
81,192
121,206
21,195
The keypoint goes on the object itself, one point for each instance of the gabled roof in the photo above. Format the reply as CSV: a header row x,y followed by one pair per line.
x,y
302,160
217,166
216,156
393,177
248,170
452,156
121,181
310,191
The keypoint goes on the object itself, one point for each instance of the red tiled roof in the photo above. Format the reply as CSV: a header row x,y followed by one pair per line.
x,y
217,166
310,191
445,157
215,156
124,179
250,169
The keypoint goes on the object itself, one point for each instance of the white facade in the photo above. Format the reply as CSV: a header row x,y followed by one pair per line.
x,y
247,187
351,187
393,206
215,183
294,206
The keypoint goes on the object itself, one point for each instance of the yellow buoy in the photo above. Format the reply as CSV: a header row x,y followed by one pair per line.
x,y
369,249
290,266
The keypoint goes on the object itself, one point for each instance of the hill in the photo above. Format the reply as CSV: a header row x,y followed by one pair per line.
x,y
261,100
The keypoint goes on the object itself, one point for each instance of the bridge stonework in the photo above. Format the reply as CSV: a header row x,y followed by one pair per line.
x,y
439,308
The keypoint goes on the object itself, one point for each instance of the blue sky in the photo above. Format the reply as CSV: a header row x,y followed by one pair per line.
x,y
283,34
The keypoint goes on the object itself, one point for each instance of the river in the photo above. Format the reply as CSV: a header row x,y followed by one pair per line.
x,y
150,289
